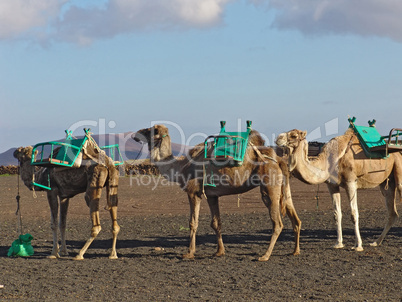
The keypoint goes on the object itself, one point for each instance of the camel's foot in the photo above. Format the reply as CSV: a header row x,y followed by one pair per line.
x,y
375,243
358,248
338,246
219,254
188,256
263,258
113,256
52,256
78,257
64,253
296,252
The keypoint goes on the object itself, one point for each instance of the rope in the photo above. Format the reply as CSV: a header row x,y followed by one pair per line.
x,y
316,195
142,147
18,197
203,180
262,156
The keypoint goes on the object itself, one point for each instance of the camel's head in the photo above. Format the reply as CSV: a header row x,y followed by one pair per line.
x,y
291,139
23,154
148,135
158,140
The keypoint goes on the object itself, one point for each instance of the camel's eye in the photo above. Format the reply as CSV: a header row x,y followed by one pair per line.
x,y
293,136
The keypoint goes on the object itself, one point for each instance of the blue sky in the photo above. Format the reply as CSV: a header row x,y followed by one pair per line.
x,y
119,65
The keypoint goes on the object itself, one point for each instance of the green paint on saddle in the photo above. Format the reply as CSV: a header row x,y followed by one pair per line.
x,y
370,139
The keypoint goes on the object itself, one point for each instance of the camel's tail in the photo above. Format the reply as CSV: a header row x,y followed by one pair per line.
x,y
111,188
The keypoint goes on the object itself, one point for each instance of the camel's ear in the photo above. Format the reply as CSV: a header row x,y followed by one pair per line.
x,y
303,134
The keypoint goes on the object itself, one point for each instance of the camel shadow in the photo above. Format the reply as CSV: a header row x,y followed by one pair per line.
x,y
173,246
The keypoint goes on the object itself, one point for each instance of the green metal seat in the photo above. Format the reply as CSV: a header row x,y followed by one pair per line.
x,y
69,152
375,145
66,154
228,148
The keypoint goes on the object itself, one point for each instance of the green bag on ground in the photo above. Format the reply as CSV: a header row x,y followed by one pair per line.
x,y
21,247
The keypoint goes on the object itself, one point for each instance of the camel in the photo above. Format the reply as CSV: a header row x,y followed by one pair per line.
x,y
96,171
343,163
261,168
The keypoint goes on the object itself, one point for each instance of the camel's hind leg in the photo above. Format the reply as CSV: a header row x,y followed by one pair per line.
x,y
216,223
112,201
115,231
271,199
389,193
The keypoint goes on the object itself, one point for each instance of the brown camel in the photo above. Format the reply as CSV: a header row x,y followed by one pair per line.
x,y
342,163
261,168
97,171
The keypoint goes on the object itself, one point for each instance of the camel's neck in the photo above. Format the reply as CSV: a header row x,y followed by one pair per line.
x,y
27,173
162,157
311,172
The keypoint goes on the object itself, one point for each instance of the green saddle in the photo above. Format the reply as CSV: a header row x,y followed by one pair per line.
x,y
227,148
373,143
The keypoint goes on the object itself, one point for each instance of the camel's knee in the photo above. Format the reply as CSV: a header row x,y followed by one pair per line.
x,y
354,217
278,227
337,215
297,226
215,224
95,230
193,226
115,229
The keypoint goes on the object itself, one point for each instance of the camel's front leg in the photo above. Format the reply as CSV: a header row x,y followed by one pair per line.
x,y
52,198
351,191
296,223
216,223
62,225
195,202
390,201
92,199
96,228
336,202
271,199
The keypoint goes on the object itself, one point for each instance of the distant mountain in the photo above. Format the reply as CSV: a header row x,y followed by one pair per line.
x,y
128,147
7,158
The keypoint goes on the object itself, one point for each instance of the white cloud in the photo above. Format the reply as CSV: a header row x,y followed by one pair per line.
x,y
84,21
124,16
366,18
68,20
17,17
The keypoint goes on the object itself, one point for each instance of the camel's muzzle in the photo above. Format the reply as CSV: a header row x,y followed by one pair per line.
x,y
137,137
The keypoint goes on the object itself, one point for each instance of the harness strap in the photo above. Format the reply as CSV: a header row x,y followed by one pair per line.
x,y
262,156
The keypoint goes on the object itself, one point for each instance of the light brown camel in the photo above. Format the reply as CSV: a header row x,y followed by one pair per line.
x,y
97,171
261,168
343,163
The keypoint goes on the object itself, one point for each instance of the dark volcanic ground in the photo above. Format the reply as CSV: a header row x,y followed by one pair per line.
x,y
154,235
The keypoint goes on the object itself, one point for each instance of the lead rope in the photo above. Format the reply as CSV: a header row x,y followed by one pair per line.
x,y
18,197
316,195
